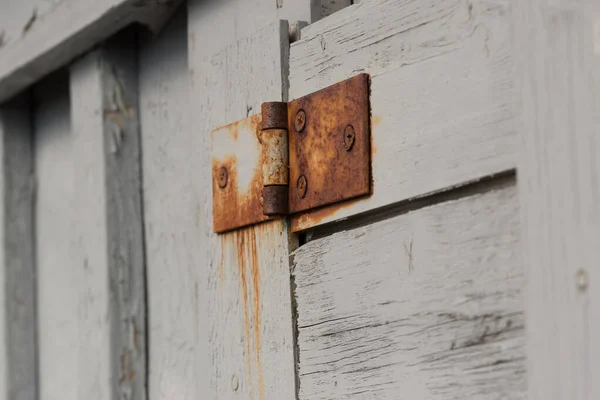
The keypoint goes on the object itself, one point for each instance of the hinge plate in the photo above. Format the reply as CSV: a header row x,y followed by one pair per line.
x,y
329,156
332,152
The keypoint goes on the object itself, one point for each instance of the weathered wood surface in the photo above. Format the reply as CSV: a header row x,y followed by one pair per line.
x,y
245,284
58,278
227,23
172,201
18,378
182,250
107,254
39,36
441,92
323,8
558,76
424,305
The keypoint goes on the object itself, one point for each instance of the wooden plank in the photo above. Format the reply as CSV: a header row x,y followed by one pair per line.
x,y
327,7
248,287
107,246
57,276
246,325
225,24
16,17
171,207
557,58
441,92
18,359
424,305
42,43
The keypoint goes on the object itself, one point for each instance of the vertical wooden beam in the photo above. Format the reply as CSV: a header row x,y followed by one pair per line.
x,y
558,60
18,359
170,214
245,321
57,275
108,237
245,275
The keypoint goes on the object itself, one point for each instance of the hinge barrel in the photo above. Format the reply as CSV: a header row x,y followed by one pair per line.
x,y
275,158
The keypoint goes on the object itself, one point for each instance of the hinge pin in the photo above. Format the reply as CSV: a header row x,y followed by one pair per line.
x,y
275,161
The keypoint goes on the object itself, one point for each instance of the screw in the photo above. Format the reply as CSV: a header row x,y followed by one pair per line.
x,y
222,178
349,137
300,121
582,279
301,186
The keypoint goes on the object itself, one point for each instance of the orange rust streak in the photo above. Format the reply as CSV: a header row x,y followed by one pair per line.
x,y
222,265
248,258
375,121
314,217
241,253
254,268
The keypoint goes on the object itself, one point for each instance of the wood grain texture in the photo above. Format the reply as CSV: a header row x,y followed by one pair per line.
x,y
425,305
246,324
557,47
18,345
42,37
441,92
171,205
107,247
58,282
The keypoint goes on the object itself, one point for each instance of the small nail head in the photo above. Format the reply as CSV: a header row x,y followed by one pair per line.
x,y
349,137
582,279
300,121
301,186
222,177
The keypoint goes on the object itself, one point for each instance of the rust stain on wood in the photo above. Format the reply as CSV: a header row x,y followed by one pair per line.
x,y
375,120
240,240
222,264
247,259
314,217
127,371
255,272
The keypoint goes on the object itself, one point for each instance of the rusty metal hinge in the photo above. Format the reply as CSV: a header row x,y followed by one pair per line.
x,y
293,157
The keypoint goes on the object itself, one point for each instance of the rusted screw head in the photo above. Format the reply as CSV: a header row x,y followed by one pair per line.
x,y
300,121
349,137
301,186
222,177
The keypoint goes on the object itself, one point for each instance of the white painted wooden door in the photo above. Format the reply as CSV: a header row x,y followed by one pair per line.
x,y
114,286
418,291
415,291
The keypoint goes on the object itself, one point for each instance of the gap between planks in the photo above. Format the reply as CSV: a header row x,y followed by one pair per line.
x,y
483,185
